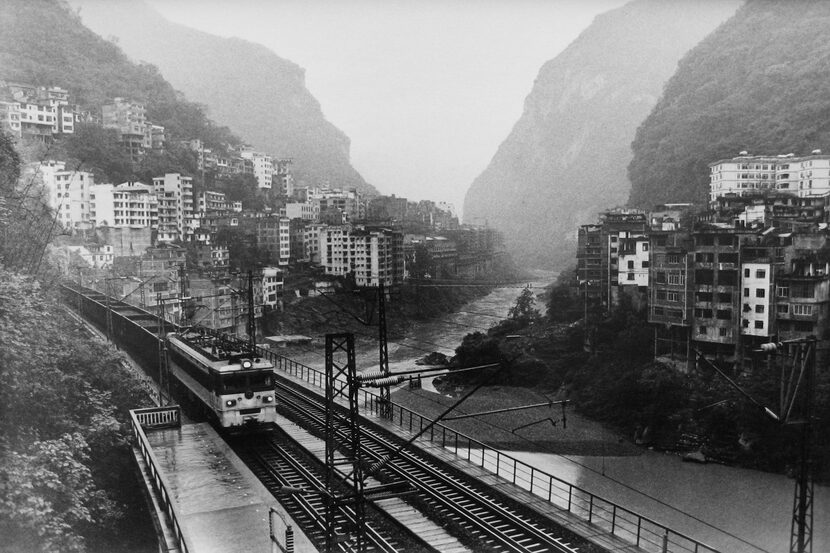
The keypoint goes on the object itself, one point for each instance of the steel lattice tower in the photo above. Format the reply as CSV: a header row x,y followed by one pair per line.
x,y
343,433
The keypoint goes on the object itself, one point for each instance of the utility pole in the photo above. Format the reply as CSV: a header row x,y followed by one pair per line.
x,y
251,319
383,354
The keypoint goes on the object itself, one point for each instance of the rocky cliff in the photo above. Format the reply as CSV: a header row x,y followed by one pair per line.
x,y
566,157
245,86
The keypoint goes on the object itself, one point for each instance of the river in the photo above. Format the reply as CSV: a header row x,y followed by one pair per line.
x,y
729,508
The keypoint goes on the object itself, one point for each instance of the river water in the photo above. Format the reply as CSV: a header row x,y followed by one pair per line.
x,y
728,508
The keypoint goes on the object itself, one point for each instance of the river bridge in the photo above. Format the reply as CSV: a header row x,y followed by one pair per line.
x,y
474,497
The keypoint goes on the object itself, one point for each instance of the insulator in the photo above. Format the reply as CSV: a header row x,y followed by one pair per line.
x,y
370,375
770,346
388,381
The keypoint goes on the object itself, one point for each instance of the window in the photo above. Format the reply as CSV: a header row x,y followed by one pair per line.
x,y
759,324
722,331
760,293
728,278
745,323
630,264
724,297
660,294
761,273
630,276
800,309
673,258
645,265
701,330
746,273
782,308
782,291
645,246
677,278
724,314
672,296
759,308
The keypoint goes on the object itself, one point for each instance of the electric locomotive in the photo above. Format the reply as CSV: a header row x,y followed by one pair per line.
x,y
233,384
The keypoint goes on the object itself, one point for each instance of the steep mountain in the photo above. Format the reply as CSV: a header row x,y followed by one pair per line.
x,y
566,157
259,95
760,83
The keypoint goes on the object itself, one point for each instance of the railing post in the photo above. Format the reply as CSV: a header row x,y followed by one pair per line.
x,y
666,541
532,469
570,496
613,518
639,525
591,509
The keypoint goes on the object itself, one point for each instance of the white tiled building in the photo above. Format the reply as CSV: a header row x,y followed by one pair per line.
x,y
263,167
803,176
174,193
127,205
756,299
69,192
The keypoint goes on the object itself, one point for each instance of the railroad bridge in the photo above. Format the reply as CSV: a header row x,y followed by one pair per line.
x,y
446,492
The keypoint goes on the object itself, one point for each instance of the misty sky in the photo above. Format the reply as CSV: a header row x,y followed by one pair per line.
x,y
426,90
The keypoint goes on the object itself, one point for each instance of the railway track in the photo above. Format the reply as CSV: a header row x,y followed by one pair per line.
x,y
479,516
281,464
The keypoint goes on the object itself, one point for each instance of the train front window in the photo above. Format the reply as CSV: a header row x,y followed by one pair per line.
x,y
238,383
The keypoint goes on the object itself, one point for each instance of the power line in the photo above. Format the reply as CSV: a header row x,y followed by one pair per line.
x,y
624,484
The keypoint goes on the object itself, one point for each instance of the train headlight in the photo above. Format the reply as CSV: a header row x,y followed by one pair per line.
x,y
230,402
247,363
268,399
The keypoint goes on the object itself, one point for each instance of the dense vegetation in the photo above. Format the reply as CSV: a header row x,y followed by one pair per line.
x,y
66,481
760,83
619,382
44,43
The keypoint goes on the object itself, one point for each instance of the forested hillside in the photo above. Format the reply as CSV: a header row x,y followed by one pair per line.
x,y
44,43
566,157
760,83
258,94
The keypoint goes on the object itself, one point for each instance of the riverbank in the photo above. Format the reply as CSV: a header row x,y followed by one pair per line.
x,y
540,429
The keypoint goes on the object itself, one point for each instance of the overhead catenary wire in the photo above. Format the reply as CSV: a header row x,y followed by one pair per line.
x,y
621,483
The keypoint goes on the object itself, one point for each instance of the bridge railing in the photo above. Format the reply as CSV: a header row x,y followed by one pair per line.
x,y
615,519
156,418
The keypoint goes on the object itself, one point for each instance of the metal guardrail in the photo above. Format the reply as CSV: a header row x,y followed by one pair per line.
x,y
615,519
159,417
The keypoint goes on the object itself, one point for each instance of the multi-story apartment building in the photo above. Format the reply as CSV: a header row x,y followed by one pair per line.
x,y
598,254
273,235
10,116
174,194
36,112
272,287
370,255
263,167
803,176
634,261
129,204
307,211
68,191
671,297
130,120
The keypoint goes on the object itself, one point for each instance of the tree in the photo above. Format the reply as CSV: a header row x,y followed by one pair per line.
x,y
525,308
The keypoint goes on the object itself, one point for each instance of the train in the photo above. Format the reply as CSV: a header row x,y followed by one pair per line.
x,y
233,385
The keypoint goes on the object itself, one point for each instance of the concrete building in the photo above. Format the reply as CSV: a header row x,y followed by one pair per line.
x,y
368,255
307,211
129,204
69,193
804,176
130,120
263,167
174,193
272,287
